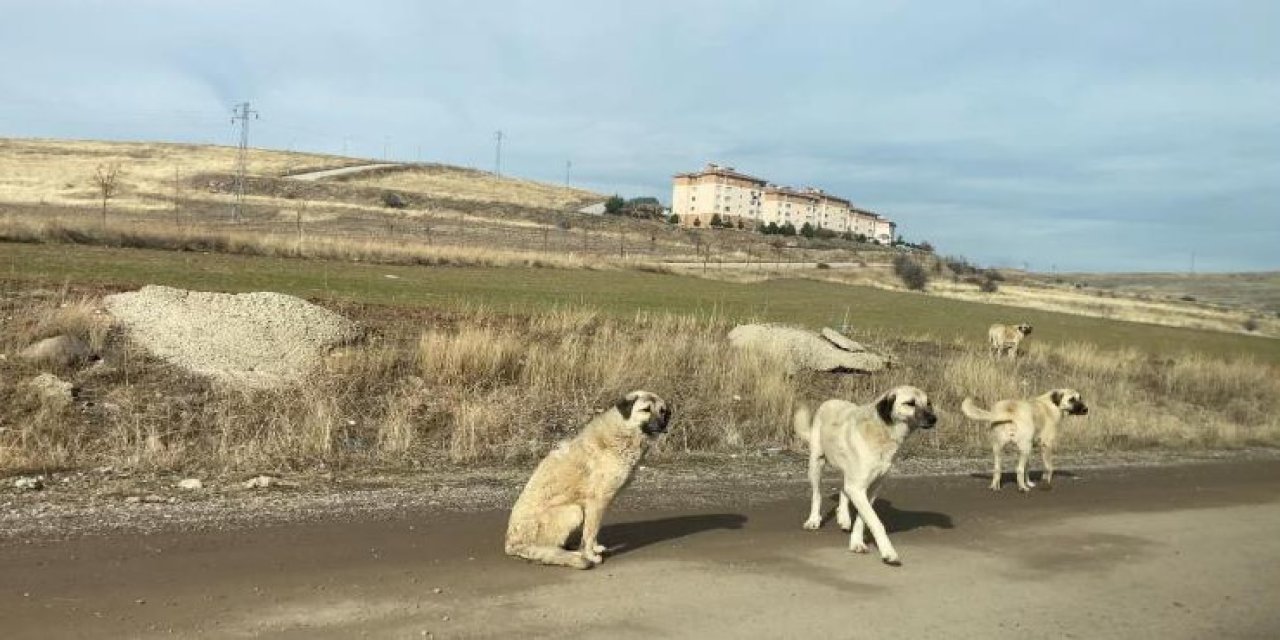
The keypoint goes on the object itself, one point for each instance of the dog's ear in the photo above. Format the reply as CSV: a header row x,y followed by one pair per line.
x,y
1056,397
885,407
624,406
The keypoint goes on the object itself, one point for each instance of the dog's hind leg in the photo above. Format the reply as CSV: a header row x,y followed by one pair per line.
x,y
1024,452
867,514
1046,454
997,447
545,543
815,484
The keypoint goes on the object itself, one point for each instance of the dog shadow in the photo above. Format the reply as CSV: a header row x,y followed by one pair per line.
x,y
1011,477
625,537
898,520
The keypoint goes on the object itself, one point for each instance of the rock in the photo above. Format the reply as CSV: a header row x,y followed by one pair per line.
x,y
191,484
253,340
53,390
839,340
260,482
29,483
58,351
803,350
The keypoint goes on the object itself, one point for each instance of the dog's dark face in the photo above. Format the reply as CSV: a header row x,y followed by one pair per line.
x,y
907,405
1069,401
1024,329
645,411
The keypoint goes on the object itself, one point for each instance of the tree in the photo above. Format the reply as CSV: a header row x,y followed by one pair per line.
x,y
807,230
107,179
697,222
716,221
613,206
910,272
674,219
925,246
787,229
740,225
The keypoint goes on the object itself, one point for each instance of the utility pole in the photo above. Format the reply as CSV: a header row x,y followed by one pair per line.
x,y
1193,263
242,114
497,153
568,164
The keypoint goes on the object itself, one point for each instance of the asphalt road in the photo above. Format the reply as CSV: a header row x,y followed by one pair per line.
x,y
1167,552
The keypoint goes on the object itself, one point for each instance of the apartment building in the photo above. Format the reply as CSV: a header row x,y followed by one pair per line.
x,y
716,191
784,205
740,198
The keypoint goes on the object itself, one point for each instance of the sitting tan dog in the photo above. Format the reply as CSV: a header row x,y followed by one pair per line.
x,y
1023,422
571,488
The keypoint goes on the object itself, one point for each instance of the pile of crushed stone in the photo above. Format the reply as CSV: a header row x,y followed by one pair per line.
x,y
250,339
803,350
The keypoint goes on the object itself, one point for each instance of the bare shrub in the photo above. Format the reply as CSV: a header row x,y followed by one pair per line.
x,y
913,276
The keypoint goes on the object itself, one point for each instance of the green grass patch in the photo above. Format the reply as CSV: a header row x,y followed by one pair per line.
x,y
801,301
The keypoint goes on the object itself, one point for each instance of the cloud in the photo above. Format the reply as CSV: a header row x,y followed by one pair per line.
x,y
1086,135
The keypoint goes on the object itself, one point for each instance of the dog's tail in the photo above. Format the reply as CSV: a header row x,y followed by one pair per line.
x,y
548,555
971,409
802,422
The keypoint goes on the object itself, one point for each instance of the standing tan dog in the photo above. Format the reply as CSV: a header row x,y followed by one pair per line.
x,y
861,441
1023,422
571,488
1005,338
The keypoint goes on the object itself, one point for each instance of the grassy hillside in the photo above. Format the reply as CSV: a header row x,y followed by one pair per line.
x,y
622,293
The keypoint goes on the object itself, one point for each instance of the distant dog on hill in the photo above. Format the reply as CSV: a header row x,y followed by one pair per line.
x,y
1005,338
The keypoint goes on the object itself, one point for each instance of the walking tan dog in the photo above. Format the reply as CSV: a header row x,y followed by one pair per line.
x,y
1023,422
1005,338
861,441
574,484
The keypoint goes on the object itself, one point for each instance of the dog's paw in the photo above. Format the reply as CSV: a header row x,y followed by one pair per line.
x,y
846,523
1025,489
858,547
995,487
599,548
582,562
593,557
813,523
891,560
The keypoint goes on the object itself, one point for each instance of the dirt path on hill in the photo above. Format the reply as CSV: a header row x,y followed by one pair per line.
x,y
1171,552
344,171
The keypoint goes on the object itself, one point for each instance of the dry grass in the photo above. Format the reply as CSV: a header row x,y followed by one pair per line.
x,y
469,184
478,385
34,171
231,241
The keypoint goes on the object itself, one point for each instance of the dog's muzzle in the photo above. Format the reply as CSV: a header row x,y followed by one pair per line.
x,y
656,425
924,419
1079,409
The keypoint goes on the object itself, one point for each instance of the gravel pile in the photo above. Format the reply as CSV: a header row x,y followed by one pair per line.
x,y
249,339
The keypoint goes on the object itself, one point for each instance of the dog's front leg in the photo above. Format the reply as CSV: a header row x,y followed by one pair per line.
x,y
815,501
858,495
1046,453
592,514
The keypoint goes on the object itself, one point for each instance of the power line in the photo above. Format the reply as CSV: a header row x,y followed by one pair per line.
x,y
242,113
497,153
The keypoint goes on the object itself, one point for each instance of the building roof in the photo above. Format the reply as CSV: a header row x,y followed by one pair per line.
x,y
716,170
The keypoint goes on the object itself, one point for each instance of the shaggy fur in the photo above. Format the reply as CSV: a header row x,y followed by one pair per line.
x,y
573,486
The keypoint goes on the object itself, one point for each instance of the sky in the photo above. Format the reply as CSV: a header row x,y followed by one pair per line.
x,y
1059,136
